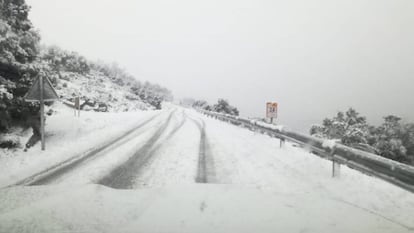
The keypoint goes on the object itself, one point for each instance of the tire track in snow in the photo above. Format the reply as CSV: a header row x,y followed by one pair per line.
x,y
145,175
155,149
124,176
50,174
205,167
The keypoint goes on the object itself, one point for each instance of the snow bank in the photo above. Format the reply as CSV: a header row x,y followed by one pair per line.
x,y
190,208
66,136
329,144
245,158
280,128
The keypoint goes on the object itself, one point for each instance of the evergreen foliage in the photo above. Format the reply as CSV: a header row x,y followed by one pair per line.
x,y
19,47
22,59
201,104
392,139
223,106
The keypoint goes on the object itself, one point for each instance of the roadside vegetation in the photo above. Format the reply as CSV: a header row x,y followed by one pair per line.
x,y
222,106
100,86
393,139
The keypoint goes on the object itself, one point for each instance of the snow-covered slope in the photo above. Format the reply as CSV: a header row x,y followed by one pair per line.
x,y
96,87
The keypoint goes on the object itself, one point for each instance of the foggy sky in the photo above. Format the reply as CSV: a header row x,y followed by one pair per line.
x,y
312,57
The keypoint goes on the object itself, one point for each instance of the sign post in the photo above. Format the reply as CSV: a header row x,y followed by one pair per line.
x,y
77,106
271,111
42,112
41,91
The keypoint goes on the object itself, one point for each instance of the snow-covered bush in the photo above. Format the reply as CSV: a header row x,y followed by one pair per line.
x,y
61,60
9,141
18,50
201,104
223,106
391,139
100,82
349,127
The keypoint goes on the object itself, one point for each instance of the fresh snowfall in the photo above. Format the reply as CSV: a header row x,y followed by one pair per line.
x,y
133,160
176,170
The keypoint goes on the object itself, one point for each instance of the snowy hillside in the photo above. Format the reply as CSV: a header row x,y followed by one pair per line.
x,y
98,83
98,88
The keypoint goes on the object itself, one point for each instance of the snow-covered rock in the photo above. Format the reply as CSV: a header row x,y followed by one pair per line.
x,y
329,144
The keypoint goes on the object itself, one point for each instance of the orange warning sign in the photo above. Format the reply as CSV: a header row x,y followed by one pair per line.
x,y
271,109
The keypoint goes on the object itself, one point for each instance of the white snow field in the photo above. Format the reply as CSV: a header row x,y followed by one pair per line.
x,y
180,171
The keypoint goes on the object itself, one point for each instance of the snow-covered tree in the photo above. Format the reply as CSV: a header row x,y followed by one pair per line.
x,y
223,106
407,139
62,60
19,42
349,127
18,50
388,139
392,139
201,104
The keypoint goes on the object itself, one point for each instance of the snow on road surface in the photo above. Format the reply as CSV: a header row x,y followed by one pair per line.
x,y
189,208
175,160
67,136
158,175
90,171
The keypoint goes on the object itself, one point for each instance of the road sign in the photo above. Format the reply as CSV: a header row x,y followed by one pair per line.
x,y
41,90
49,93
271,110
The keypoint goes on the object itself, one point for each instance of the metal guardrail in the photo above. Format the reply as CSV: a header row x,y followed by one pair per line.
x,y
394,172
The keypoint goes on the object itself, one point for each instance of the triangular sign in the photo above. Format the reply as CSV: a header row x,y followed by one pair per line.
x,y
49,93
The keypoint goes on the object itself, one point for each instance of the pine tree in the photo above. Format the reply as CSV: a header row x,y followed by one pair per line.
x,y
388,139
18,49
350,128
223,106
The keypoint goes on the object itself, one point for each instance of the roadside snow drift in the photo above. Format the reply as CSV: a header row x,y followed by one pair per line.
x,y
253,185
191,208
66,136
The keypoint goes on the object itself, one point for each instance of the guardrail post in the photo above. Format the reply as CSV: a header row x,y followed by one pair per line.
x,y
282,141
336,167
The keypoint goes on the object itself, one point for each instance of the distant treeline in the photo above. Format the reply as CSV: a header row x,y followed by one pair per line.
x,y
392,139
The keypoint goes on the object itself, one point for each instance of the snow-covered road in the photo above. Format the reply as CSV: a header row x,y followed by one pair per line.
x,y
185,172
